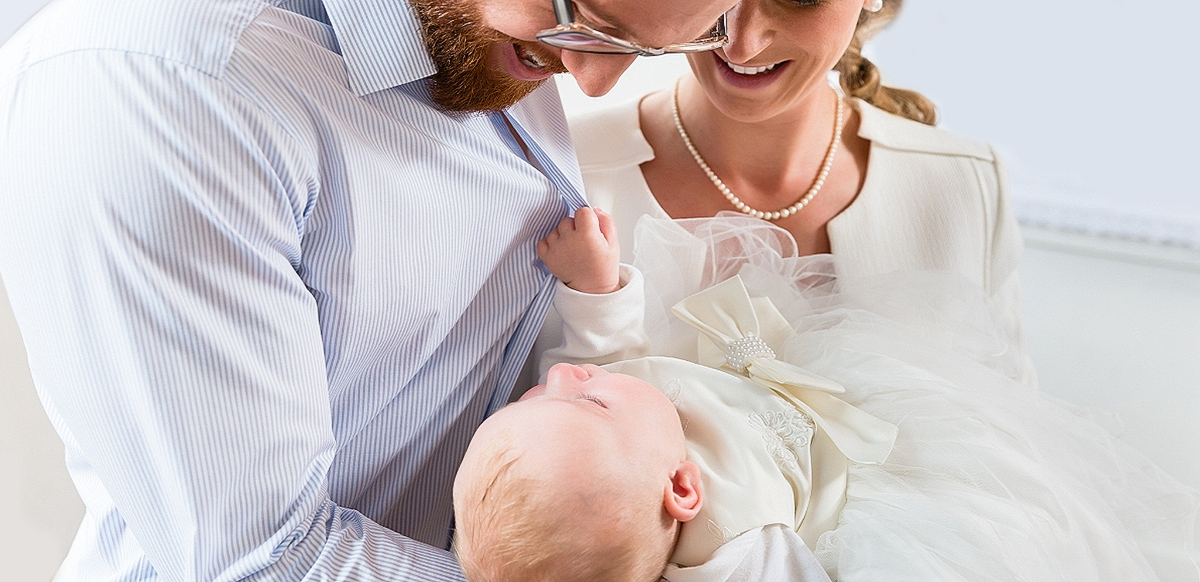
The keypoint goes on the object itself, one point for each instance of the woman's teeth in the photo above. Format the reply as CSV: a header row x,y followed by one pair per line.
x,y
528,59
751,70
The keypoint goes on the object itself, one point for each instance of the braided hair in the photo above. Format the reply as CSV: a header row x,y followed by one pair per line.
x,y
859,77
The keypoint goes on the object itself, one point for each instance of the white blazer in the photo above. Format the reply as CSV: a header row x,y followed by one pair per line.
x,y
932,200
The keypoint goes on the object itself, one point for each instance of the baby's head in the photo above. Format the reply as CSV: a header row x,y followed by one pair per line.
x,y
586,477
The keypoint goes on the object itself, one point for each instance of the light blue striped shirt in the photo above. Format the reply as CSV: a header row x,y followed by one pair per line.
x,y
267,290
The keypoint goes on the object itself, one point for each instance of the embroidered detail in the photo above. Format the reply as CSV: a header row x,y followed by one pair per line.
x,y
672,390
720,535
786,434
740,351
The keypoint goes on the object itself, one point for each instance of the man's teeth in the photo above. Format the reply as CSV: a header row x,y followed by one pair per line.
x,y
751,70
529,59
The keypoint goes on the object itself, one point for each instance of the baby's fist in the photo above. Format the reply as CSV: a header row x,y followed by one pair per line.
x,y
583,252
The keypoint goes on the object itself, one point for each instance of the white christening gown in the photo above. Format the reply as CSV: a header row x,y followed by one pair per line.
x,y
988,479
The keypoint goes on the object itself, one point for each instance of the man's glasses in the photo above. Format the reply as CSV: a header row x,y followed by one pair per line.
x,y
573,36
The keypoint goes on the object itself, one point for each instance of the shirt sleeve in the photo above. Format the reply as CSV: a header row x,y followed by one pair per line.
x,y
600,328
152,253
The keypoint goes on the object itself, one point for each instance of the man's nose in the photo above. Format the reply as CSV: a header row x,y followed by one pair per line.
x,y
596,73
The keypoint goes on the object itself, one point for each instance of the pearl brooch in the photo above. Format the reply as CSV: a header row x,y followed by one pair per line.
x,y
739,352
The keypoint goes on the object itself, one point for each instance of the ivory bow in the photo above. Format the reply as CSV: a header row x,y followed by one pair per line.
x,y
737,332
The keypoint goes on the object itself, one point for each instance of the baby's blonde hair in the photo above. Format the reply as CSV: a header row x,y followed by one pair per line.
x,y
516,527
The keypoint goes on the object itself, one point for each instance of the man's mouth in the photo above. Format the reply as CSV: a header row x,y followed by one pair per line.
x,y
528,58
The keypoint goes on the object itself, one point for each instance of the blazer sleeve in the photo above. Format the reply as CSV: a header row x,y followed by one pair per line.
x,y
1004,249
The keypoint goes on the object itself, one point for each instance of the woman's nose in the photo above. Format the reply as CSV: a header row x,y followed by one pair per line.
x,y
750,32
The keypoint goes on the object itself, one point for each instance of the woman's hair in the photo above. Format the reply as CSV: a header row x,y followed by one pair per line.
x,y
860,78
517,527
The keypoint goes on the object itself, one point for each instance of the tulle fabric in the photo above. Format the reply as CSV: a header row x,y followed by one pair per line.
x,y
990,479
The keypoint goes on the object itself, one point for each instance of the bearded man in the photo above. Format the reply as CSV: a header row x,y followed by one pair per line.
x,y
273,260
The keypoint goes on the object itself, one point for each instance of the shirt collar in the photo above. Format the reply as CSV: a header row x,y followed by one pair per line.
x,y
381,43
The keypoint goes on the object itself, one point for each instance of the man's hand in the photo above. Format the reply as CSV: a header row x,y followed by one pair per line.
x,y
583,252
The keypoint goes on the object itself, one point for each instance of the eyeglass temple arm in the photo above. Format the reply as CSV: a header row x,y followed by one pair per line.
x,y
564,11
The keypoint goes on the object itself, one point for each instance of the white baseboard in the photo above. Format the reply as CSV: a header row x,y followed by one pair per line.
x,y
1140,252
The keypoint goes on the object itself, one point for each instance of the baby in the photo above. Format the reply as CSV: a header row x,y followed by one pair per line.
x,y
589,476
606,450
586,477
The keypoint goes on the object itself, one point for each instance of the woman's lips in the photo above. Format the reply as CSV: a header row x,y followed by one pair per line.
x,y
748,77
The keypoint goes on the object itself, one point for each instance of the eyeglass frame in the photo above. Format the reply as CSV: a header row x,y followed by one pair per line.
x,y
564,11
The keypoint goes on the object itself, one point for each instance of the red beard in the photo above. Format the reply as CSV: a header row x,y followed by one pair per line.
x,y
460,46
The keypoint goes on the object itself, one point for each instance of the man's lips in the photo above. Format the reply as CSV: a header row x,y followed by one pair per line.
x,y
528,58
528,63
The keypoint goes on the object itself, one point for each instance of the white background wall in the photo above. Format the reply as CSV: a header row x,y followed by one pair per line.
x,y
1089,101
1091,105
15,12
40,507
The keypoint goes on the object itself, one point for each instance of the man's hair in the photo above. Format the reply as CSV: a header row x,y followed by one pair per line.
x,y
514,527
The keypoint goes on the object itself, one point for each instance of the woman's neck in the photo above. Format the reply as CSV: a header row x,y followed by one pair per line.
x,y
769,157
769,163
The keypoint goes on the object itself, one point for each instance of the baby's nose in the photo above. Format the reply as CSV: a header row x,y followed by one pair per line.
x,y
592,370
565,376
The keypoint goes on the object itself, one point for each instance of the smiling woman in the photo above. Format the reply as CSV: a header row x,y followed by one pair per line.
x,y
756,129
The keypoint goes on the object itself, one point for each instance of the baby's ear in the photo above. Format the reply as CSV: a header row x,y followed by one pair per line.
x,y
684,493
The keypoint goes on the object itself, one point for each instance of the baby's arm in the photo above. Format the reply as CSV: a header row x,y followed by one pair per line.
x,y
599,301
583,252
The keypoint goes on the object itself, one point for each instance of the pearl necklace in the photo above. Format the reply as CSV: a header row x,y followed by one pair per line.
x,y
737,202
